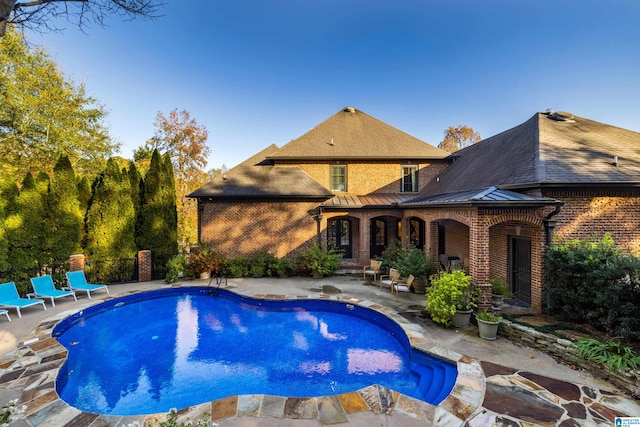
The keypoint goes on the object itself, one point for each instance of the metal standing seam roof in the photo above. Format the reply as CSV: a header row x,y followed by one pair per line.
x,y
488,196
344,200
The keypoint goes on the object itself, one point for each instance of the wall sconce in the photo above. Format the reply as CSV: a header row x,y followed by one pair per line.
x,y
518,230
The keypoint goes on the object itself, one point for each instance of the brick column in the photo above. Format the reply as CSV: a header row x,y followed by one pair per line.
x,y
479,261
76,262
144,266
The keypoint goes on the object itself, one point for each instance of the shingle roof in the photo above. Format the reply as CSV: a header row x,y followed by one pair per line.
x,y
252,181
544,151
351,134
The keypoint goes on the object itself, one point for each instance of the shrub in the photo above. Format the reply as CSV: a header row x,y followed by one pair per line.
x,y
319,259
500,287
414,261
205,259
238,267
175,268
488,316
616,356
450,291
594,282
261,264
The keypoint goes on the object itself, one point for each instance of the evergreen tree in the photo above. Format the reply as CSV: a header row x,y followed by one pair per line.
x,y
24,226
84,194
63,220
135,181
8,193
158,217
110,220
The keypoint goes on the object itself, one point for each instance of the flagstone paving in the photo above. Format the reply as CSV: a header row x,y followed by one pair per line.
x,y
485,394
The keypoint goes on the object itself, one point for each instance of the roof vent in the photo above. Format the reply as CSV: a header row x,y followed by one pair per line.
x,y
562,116
351,110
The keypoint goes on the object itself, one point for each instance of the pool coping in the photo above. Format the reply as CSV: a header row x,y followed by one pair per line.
x,y
33,368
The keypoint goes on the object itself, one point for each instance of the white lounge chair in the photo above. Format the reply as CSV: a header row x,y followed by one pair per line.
x,y
6,313
43,287
9,298
77,282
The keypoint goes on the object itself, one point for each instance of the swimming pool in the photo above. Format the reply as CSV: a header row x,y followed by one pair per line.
x,y
149,352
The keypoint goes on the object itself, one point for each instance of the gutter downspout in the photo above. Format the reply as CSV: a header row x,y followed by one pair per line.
x,y
550,224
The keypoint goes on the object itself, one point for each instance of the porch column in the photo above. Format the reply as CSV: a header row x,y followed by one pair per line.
x,y
479,259
365,241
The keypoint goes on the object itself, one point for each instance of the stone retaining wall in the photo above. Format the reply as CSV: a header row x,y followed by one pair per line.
x,y
567,351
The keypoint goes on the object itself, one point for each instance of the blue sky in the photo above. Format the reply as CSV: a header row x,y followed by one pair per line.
x,y
256,73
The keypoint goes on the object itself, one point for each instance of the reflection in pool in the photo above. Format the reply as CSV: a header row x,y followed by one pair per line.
x,y
150,352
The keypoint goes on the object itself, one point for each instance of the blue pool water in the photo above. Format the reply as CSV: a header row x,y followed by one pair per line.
x,y
173,348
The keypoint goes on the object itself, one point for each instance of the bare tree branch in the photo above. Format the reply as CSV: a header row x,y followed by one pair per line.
x,y
39,14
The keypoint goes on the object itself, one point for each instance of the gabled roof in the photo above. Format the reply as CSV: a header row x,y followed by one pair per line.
x,y
546,150
351,134
268,182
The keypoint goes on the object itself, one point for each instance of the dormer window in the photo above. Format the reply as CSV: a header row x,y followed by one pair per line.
x,y
409,182
339,178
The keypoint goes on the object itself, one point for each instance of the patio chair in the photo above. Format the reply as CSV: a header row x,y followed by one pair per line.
x,y
402,286
390,279
43,287
78,282
6,313
9,298
372,270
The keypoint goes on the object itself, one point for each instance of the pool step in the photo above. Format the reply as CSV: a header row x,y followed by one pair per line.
x,y
435,380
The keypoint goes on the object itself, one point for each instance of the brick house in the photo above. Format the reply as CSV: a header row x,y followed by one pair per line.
x,y
357,183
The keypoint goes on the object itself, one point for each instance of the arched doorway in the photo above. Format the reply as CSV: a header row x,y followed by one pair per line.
x,y
383,230
339,236
416,232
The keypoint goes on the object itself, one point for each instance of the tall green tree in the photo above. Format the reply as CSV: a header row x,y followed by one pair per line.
x,y
24,226
44,115
63,217
8,192
158,215
110,219
180,136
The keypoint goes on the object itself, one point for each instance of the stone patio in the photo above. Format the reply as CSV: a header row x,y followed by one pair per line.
x,y
485,393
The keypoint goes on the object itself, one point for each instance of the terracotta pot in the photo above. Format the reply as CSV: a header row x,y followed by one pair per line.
x,y
205,275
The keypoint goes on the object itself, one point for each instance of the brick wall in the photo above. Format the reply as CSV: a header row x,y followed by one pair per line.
x,y
243,228
366,178
586,212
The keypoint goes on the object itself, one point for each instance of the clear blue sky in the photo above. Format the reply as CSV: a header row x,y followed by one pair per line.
x,y
256,73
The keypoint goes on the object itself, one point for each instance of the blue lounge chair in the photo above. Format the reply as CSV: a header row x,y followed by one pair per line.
x,y
9,298
43,287
77,282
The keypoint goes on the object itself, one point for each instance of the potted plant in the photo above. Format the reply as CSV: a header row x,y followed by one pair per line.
x,y
202,261
413,261
488,325
319,260
451,298
499,291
